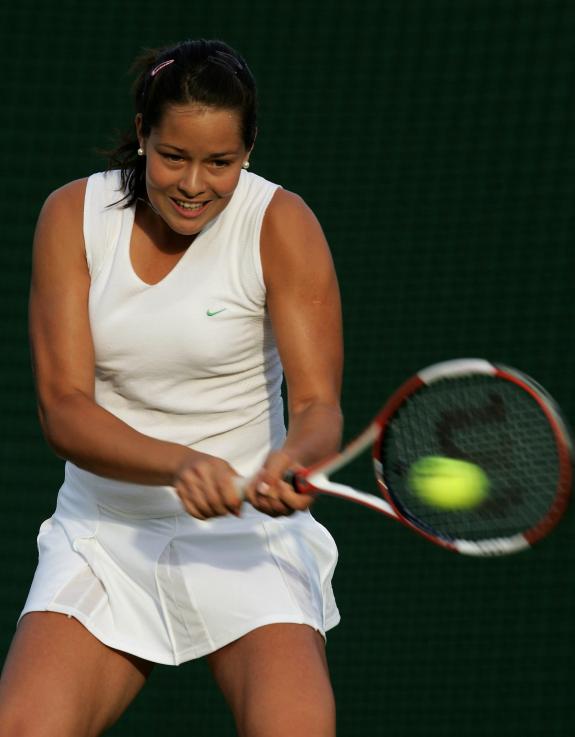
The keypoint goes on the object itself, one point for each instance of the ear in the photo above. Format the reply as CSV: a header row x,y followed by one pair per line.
x,y
249,151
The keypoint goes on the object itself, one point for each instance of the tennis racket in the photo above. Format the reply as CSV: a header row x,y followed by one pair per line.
x,y
468,410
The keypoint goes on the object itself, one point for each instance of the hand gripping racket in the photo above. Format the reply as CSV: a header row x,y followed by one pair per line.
x,y
469,410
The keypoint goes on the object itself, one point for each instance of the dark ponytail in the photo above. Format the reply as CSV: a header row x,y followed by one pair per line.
x,y
196,71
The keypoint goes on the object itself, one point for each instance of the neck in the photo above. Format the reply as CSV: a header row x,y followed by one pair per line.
x,y
156,229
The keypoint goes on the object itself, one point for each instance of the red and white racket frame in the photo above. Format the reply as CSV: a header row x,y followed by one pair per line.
x,y
316,479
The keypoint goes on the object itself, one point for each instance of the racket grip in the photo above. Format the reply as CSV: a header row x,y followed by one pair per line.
x,y
240,482
289,478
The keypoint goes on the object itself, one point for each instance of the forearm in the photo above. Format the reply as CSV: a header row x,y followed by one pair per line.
x,y
81,431
314,432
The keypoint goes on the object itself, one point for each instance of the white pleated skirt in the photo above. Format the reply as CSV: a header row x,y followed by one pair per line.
x,y
166,587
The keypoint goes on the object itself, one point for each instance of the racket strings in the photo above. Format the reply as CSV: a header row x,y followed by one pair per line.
x,y
487,421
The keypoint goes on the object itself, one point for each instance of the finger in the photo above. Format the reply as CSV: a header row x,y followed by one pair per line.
x,y
276,500
195,489
222,489
256,494
226,490
213,497
272,507
208,489
192,489
293,499
276,465
188,505
232,494
273,496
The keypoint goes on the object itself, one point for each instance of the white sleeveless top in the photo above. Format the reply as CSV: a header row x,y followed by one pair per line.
x,y
191,359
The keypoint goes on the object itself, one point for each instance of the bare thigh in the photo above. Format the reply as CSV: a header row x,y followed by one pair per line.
x,y
59,680
276,681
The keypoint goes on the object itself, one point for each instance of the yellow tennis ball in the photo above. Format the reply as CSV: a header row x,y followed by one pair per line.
x,y
448,483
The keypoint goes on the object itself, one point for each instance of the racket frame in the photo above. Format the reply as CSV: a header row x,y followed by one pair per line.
x,y
316,479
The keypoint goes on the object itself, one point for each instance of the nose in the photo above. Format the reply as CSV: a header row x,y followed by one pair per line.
x,y
192,181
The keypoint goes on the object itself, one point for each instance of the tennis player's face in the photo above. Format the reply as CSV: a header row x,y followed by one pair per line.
x,y
194,159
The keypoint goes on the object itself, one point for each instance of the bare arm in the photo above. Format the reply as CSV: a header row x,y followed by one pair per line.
x,y
304,305
63,358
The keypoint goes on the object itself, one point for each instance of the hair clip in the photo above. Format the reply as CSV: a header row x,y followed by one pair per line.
x,y
160,66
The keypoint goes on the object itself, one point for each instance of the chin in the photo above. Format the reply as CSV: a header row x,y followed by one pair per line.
x,y
181,229
180,225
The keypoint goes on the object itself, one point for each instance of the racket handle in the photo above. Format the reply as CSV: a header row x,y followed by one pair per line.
x,y
240,482
289,478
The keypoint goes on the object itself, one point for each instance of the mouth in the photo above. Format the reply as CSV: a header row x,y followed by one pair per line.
x,y
189,209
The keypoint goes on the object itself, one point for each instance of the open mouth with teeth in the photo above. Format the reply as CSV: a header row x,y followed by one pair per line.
x,y
189,209
190,205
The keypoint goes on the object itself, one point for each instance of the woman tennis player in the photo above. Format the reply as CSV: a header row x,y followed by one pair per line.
x,y
167,295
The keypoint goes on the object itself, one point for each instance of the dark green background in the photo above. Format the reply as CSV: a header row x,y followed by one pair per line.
x,y
435,141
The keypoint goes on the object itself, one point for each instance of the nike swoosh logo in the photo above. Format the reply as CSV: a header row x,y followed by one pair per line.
x,y
211,313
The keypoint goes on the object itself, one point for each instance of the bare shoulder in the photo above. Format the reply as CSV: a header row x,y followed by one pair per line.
x,y
59,235
62,215
286,201
287,211
66,199
292,240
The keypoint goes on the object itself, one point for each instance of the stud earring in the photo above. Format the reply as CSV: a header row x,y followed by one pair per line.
x,y
140,151
246,165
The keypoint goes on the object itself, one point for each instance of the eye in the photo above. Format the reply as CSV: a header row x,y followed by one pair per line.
x,y
221,163
171,157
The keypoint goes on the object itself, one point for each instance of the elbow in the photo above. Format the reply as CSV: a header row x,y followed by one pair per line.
x,y
57,422
52,436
